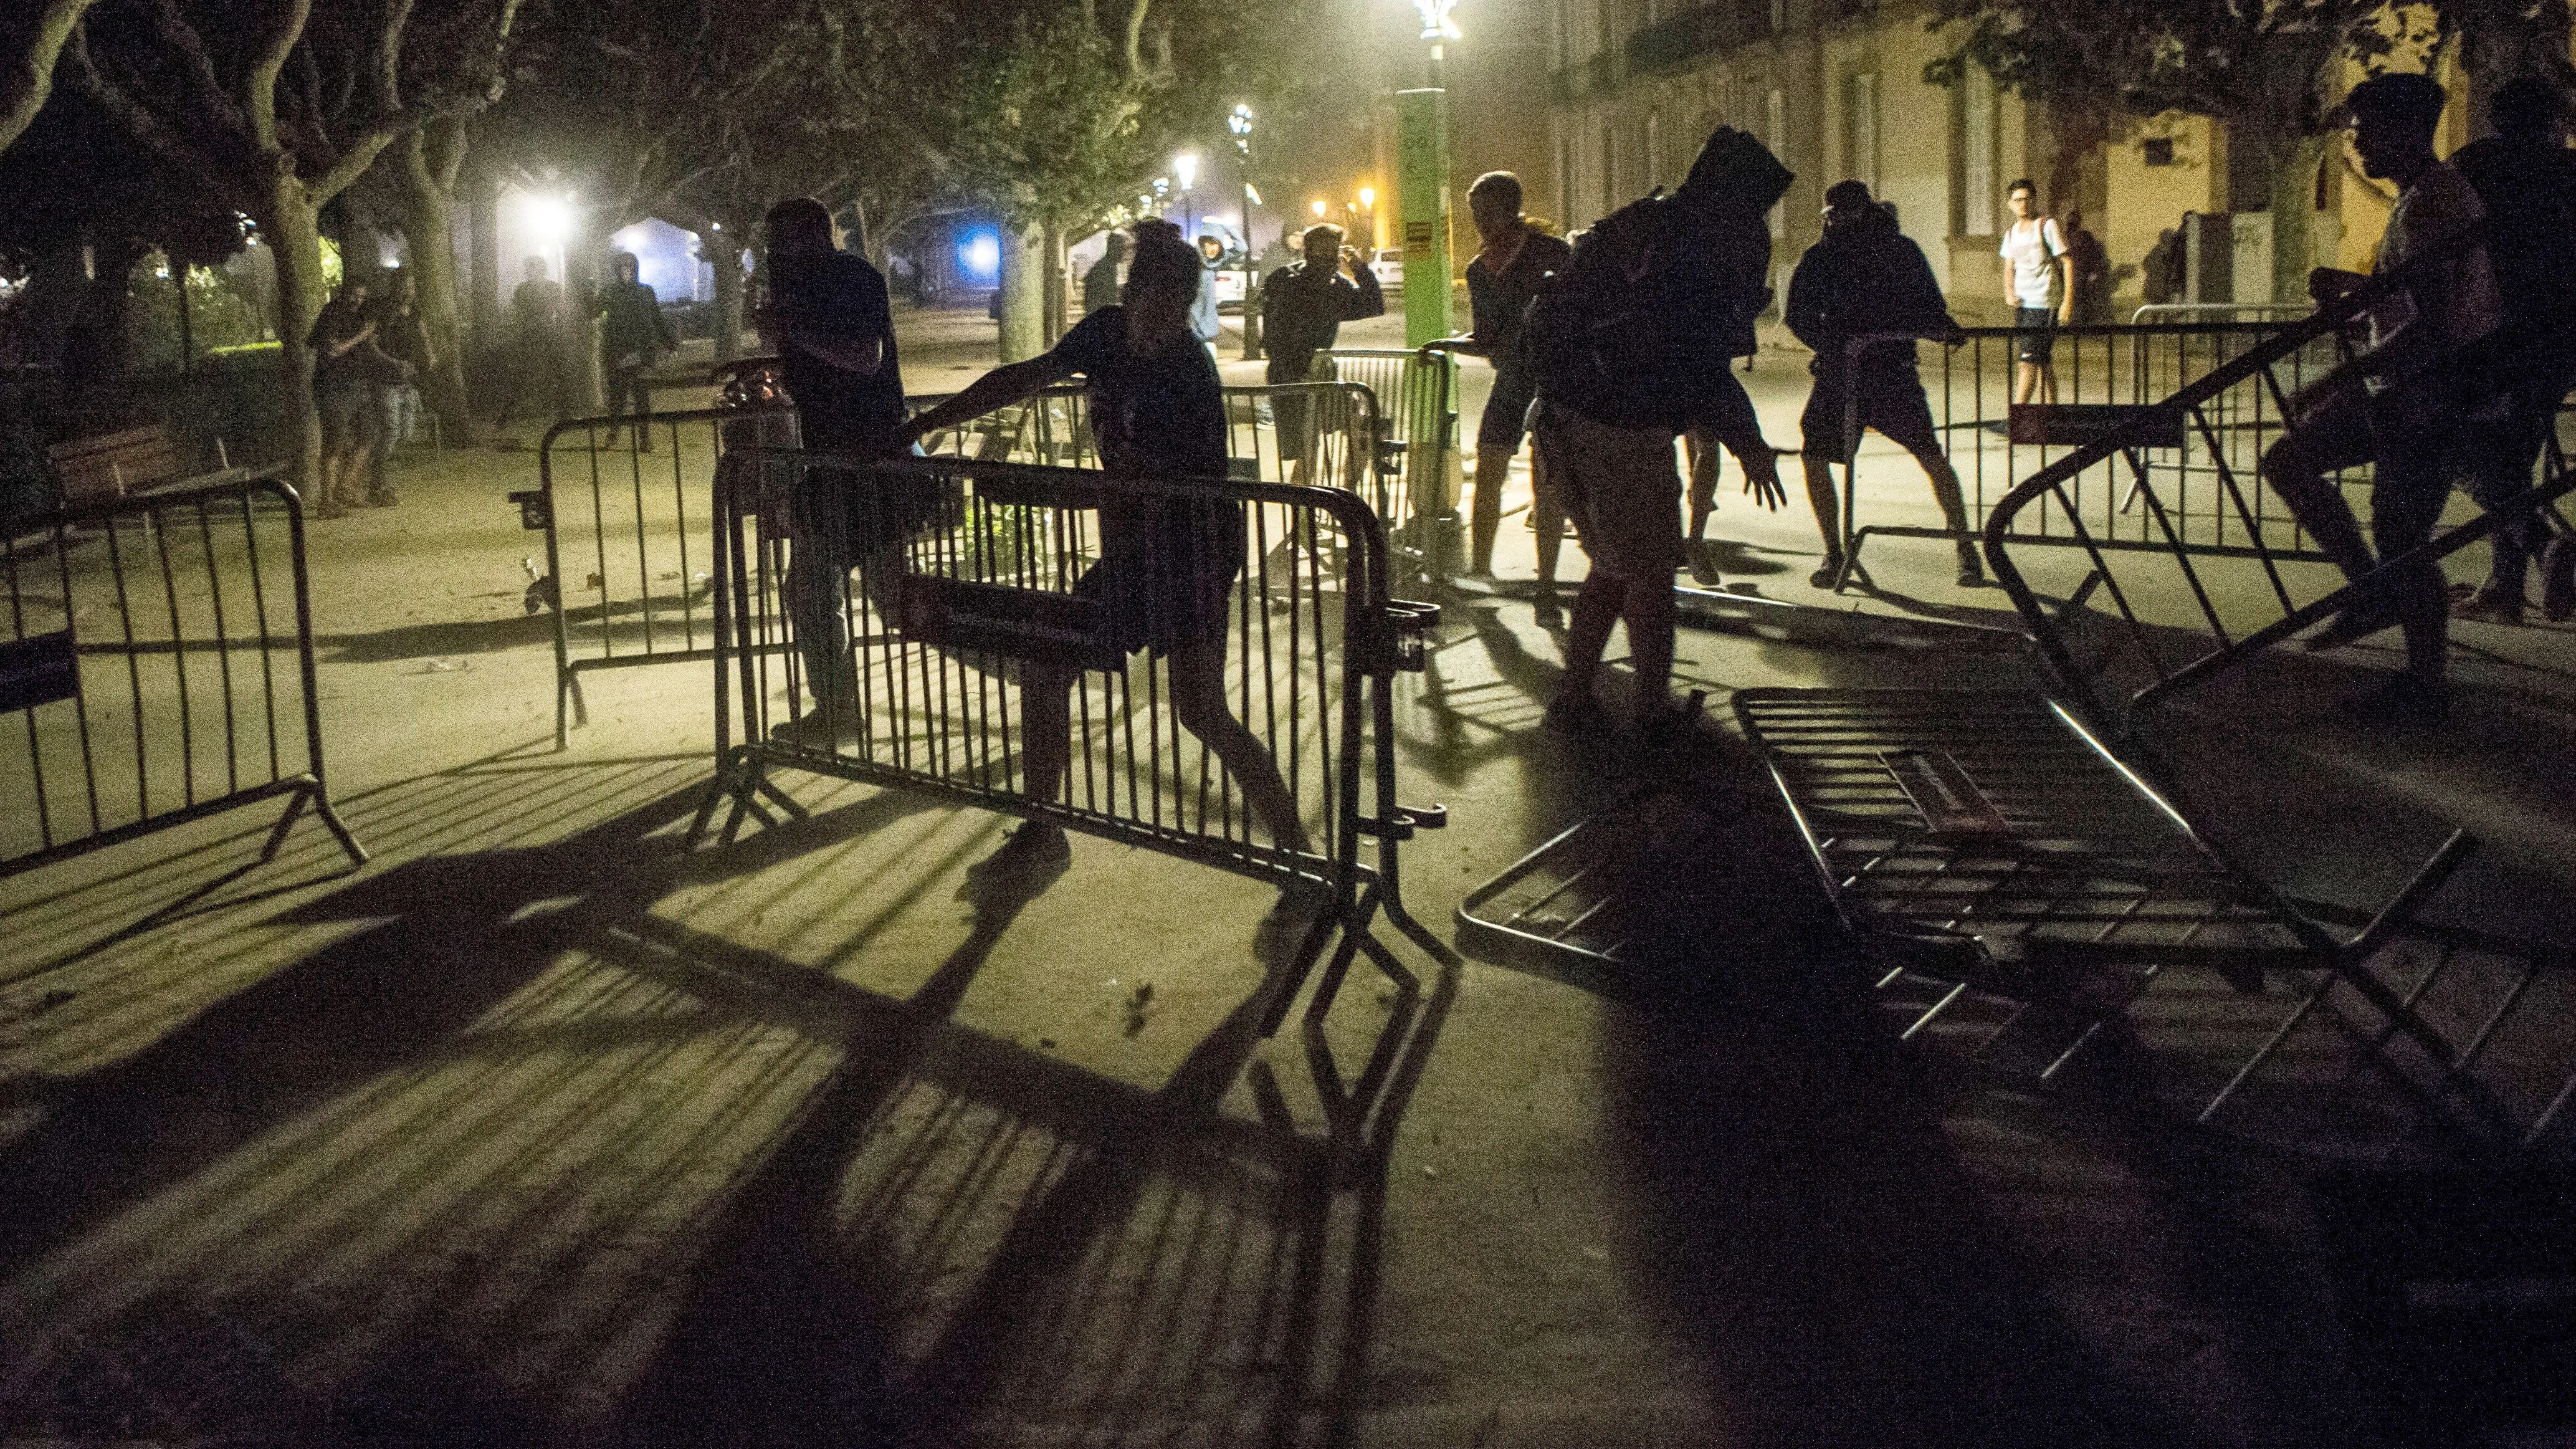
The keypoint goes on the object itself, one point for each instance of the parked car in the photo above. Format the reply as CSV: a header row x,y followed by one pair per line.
x,y
1389,266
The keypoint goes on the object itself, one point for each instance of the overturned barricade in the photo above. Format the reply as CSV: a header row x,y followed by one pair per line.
x,y
158,662
1199,667
2026,860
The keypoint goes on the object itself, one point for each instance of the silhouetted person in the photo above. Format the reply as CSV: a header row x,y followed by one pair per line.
x,y
2160,278
632,337
2088,273
1167,566
1502,279
350,374
399,336
1100,284
1742,255
2526,179
1866,277
2403,404
832,325
2035,287
1303,307
536,345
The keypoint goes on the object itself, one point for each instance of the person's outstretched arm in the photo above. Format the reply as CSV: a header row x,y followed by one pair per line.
x,y
1366,298
999,388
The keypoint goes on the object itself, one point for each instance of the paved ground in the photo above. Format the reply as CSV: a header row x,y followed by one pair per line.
x,y
538,1130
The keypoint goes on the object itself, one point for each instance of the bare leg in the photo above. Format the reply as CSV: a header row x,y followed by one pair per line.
x,y
1954,506
1699,448
1596,608
2025,381
1198,698
2296,468
1828,506
1547,516
1046,729
1485,518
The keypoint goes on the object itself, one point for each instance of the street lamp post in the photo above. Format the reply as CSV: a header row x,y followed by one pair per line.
x,y
1186,167
1239,122
1422,207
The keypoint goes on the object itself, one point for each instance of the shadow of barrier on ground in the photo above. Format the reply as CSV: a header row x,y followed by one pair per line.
x,y
159,665
635,524
523,1150
1217,655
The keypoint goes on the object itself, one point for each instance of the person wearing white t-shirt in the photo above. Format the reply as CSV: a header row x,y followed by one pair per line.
x,y
2035,270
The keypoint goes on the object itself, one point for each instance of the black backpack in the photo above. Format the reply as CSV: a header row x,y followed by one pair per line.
x,y
1661,293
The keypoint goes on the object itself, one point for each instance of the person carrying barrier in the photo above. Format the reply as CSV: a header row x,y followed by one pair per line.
x,y
1866,277
1167,567
1502,279
2526,180
2406,404
2039,286
832,325
632,337
1303,307
1620,345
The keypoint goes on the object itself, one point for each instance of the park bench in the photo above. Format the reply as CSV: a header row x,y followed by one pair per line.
x,y
112,465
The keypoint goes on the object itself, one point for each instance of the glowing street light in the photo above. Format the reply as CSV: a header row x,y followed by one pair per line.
x,y
1186,167
1368,198
1320,208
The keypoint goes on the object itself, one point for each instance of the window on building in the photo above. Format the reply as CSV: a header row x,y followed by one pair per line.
x,y
1860,128
2159,151
1977,153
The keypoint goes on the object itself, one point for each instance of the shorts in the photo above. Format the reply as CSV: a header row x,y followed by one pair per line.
x,y
1891,402
1144,604
1622,488
1506,418
1289,412
349,416
2038,338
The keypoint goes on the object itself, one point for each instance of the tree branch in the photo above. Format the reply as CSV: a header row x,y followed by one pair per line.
x,y
138,120
190,49
259,92
29,78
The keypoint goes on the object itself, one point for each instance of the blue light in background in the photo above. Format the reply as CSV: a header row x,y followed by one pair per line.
x,y
980,253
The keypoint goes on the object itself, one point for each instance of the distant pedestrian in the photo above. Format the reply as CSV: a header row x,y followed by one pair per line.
x,y
2160,272
349,375
1303,307
633,337
2088,272
536,345
832,325
1100,283
2407,404
1166,567
2526,179
1502,280
1864,278
2035,287
400,336
1203,314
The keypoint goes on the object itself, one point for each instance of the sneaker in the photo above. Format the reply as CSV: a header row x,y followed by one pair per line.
x,y
1703,562
1828,576
1672,719
1549,613
2406,699
821,728
2485,608
1972,574
1035,846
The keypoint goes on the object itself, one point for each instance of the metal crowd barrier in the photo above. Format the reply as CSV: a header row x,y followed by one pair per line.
x,y
160,673
1418,403
2107,377
635,526
978,585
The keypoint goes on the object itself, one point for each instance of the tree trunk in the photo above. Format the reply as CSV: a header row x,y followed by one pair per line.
x,y
291,226
1023,293
2294,214
1052,302
726,258
429,228
29,74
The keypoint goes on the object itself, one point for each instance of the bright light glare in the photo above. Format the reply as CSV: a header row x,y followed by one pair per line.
x,y
1320,208
1368,198
1436,24
1252,192
981,254
549,217
1186,166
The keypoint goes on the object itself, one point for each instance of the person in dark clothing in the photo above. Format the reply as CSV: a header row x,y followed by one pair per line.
x,y
1744,167
2407,405
1100,284
399,336
1867,277
2088,273
349,371
1501,281
2526,178
632,337
536,344
1303,307
831,323
1167,567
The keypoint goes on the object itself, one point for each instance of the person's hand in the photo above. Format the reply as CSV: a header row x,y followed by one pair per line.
x,y
1766,488
1351,259
1955,338
1432,350
2328,285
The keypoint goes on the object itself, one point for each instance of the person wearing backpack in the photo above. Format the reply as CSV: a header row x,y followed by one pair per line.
x,y
1868,278
1628,351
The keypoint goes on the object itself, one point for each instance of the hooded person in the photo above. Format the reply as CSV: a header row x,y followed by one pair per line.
x,y
1738,180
